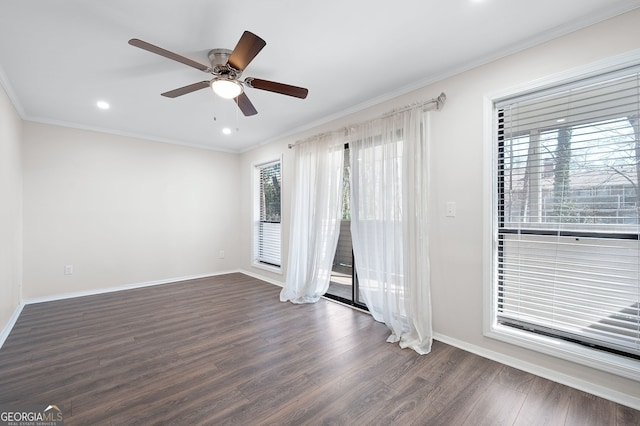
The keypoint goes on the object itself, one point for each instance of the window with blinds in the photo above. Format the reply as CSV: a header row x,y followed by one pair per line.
x,y
568,234
267,215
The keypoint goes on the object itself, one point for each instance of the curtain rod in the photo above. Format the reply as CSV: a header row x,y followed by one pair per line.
x,y
439,101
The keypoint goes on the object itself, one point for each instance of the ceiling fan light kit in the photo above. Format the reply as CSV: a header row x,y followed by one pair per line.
x,y
227,67
227,89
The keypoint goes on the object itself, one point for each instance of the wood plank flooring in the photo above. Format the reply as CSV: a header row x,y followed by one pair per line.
x,y
224,350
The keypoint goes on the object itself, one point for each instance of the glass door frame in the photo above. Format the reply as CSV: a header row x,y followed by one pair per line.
x,y
355,299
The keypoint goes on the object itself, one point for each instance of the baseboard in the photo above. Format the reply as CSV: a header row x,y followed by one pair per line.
x,y
122,287
9,326
553,375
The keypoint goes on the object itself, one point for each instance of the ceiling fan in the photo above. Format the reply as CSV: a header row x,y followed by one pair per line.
x,y
227,67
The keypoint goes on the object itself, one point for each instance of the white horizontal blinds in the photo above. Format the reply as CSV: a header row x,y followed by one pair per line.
x,y
568,202
267,233
269,243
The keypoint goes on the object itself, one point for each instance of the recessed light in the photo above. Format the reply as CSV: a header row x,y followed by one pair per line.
x,y
226,131
102,105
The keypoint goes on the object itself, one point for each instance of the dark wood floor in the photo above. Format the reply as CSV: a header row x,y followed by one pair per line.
x,y
224,350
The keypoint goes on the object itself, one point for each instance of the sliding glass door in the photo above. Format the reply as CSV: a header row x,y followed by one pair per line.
x,y
344,278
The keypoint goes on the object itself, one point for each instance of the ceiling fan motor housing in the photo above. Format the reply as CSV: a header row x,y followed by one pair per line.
x,y
218,59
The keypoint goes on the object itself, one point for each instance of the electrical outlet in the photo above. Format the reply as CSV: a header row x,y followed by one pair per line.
x,y
221,254
450,209
68,269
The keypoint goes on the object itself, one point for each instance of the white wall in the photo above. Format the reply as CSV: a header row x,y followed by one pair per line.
x,y
457,172
123,211
10,209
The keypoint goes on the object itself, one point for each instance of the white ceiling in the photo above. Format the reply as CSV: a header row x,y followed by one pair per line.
x,y
59,57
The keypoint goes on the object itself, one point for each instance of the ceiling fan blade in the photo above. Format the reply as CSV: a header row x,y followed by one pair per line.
x,y
186,89
163,52
247,48
245,105
272,86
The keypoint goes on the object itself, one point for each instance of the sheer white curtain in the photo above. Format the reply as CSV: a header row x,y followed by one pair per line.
x,y
389,195
316,213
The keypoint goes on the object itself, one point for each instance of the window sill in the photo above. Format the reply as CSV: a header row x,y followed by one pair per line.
x,y
609,362
270,268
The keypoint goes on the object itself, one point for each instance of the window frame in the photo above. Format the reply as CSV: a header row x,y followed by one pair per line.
x,y
606,361
255,218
